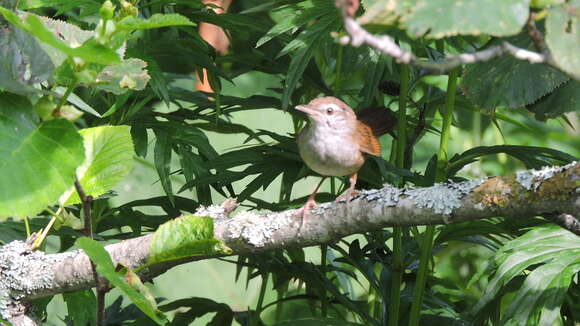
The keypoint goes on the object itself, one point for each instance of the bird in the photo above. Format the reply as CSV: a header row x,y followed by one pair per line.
x,y
336,141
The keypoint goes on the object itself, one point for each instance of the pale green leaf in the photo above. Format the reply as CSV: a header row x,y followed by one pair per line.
x,y
109,158
563,36
548,245
441,18
128,75
37,163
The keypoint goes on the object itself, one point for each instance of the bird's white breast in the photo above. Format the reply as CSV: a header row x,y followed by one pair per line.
x,y
329,152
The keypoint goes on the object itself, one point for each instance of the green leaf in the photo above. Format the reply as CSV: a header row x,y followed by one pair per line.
x,y
90,51
558,251
155,21
100,257
317,322
531,156
109,158
162,159
563,36
544,288
441,18
81,307
295,17
297,66
37,163
70,34
509,82
197,308
23,62
130,74
564,99
186,236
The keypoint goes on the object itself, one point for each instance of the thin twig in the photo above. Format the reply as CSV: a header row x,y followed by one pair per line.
x,y
536,36
358,36
102,287
567,221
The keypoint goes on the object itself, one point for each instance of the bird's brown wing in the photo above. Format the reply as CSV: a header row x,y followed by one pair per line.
x,y
367,140
381,120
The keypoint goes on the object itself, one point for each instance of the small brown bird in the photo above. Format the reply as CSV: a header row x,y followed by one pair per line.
x,y
336,140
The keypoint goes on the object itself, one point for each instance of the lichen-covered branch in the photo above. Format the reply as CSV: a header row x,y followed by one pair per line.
x,y
357,36
27,274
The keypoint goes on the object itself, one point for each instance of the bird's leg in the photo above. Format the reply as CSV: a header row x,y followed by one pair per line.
x,y
310,203
351,191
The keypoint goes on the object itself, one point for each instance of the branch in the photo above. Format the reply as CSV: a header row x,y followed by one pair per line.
x,y
358,36
27,274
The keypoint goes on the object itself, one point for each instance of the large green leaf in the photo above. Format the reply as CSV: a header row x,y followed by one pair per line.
x,y
563,36
90,51
544,289
509,82
186,236
109,158
558,251
441,18
37,163
100,257
564,99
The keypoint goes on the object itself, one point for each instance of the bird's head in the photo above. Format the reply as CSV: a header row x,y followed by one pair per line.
x,y
329,112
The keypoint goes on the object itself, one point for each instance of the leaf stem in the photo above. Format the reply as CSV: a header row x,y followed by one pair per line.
x,y
27,226
338,78
397,265
440,175
260,304
324,300
66,94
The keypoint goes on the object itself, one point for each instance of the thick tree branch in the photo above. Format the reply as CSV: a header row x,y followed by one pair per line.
x,y
27,274
357,36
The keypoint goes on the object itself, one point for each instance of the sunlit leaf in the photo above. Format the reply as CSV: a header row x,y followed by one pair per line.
x,y
109,158
155,21
186,236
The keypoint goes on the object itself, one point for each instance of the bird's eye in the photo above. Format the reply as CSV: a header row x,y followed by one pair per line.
x,y
329,110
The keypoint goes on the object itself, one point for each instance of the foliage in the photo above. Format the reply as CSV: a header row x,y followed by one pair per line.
x,y
88,89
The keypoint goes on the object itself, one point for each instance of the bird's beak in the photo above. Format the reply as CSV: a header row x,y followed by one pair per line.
x,y
308,110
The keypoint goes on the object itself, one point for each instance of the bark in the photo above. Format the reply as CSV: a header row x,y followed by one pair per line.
x,y
553,192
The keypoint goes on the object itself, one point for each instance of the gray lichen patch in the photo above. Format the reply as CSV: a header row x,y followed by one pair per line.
x,y
442,198
388,196
256,230
22,272
532,179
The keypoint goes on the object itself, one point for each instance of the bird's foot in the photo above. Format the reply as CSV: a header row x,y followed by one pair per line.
x,y
304,211
347,196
